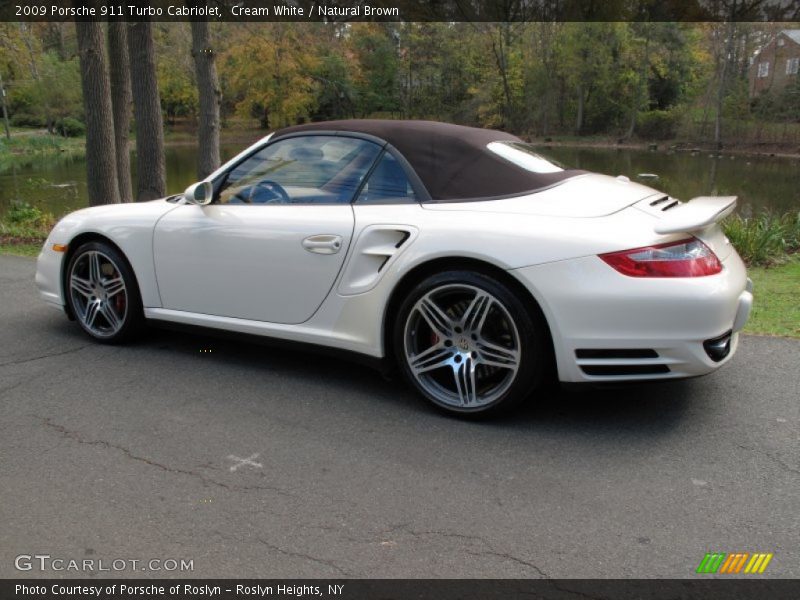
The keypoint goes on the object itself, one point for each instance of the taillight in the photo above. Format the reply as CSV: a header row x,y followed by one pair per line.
x,y
684,258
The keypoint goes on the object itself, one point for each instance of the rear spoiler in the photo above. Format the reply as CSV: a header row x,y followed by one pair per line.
x,y
696,214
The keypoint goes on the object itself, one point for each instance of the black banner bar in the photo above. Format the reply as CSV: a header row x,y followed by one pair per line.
x,y
739,588
400,10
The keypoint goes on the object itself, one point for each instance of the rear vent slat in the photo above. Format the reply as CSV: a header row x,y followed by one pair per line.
x,y
611,370
616,353
658,201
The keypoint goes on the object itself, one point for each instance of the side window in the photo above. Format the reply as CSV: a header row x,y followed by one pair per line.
x,y
319,169
388,184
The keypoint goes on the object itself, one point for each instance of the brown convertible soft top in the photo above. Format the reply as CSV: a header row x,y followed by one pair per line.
x,y
452,161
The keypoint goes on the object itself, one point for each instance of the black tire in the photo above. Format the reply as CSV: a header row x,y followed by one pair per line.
x,y
514,329
81,289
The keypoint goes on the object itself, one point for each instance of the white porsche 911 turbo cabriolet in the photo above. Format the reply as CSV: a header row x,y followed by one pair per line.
x,y
460,255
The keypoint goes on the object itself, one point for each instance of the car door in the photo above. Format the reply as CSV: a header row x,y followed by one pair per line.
x,y
271,244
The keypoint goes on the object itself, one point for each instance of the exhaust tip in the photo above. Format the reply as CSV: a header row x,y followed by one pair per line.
x,y
719,347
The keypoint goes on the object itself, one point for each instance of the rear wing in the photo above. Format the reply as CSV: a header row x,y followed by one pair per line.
x,y
698,213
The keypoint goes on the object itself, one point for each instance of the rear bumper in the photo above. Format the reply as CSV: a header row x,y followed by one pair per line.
x,y
610,327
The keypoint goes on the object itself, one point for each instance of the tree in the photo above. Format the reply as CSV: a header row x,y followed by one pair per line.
x,y
335,96
640,95
333,73
121,103
270,73
725,66
432,63
150,163
3,103
504,50
210,94
52,96
177,83
599,61
44,88
541,82
375,49
101,163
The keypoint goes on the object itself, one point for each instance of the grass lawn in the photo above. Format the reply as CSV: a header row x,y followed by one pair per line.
x,y
20,249
776,304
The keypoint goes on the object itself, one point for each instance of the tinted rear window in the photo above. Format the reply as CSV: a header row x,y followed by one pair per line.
x,y
525,156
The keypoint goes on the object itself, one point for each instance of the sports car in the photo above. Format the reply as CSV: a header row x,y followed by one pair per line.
x,y
476,266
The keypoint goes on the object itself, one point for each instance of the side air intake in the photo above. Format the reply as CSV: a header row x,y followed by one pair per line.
x,y
374,251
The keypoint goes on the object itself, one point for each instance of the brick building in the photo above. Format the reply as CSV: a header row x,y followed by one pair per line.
x,y
777,64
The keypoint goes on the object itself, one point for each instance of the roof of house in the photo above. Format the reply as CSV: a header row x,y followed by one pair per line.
x,y
452,161
794,34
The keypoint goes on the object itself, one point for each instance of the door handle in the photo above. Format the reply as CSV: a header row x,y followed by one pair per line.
x,y
323,244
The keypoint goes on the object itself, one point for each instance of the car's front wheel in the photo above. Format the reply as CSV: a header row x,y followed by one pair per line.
x,y
102,293
469,344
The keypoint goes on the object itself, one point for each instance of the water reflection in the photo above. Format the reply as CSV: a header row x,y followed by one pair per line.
x,y
58,184
759,182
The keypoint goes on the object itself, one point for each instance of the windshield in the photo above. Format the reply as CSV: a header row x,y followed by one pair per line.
x,y
525,156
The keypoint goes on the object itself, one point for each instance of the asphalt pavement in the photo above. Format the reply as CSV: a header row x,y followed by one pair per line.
x,y
256,462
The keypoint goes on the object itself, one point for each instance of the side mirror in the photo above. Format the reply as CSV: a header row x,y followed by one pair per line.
x,y
200,193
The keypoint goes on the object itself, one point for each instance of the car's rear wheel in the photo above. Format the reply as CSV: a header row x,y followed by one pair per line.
x,y
469,344
102,293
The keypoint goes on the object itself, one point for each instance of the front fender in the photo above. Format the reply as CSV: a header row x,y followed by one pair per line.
x,y
127,226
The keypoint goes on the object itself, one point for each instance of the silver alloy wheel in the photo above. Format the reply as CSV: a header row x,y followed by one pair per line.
x,y
462,346
98,292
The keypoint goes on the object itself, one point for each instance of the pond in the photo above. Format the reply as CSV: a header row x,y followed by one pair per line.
x,y
58,185
760,182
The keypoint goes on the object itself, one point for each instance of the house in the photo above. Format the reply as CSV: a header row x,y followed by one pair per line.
x,y
777,64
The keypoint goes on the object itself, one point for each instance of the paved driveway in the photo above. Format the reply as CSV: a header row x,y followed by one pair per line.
x,y
254,462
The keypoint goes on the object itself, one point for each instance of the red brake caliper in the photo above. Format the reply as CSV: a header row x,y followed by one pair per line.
x,y
119,302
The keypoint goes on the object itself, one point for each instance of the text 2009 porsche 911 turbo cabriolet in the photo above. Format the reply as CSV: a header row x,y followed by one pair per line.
x,y
461,255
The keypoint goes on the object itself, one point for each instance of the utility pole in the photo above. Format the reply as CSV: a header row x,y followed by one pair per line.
x,y
3,102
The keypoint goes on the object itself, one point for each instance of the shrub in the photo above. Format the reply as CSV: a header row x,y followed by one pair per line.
x,y
70,127
22,213
21,119
657,124
764,239
793,232
26,223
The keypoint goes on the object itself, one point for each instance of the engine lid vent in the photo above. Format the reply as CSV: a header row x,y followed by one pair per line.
x,y
670,205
